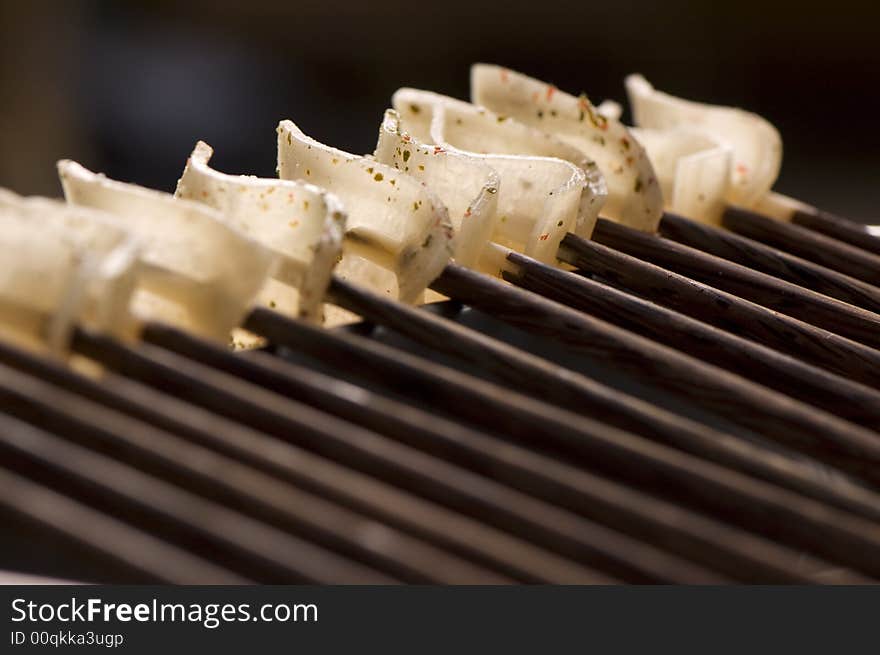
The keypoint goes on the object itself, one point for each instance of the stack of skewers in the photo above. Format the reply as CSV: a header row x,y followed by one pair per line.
x,y
520,342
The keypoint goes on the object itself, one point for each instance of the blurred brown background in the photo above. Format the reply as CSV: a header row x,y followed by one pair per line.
x,y
127,88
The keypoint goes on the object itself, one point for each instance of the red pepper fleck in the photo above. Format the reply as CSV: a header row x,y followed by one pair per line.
x,y
438,150
505,75
742,169
550,91
544,237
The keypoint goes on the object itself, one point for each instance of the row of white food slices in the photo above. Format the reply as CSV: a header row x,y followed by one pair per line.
x,y
516,170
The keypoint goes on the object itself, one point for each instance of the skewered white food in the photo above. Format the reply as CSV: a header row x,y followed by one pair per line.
x,y
755,143
693,170
302,223
61,266
634,196
467,187
542,194
393,220
196,272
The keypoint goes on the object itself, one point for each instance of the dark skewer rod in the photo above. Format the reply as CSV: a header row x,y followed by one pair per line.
x,y
358,448
767,412
432,434
237,542
578,439
805,243
119,547
235,485
454,532
761,257
728,550
851,359
842,229
296,381
490,457
813,385
787,298
286,378
578,393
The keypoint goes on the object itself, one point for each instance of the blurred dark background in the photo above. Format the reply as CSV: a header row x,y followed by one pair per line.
x,y
127,88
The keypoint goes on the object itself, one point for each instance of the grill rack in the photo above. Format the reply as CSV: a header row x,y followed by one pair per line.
x,y
508,440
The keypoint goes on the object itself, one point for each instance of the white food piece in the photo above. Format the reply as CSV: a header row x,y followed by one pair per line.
x,y
693,170
393,220
300,222
634,196
755,143
196,272
610,109
468,188
62,266
547,188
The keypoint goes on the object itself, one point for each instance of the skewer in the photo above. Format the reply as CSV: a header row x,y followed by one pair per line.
x,y
362,450
583,395
635,562
574,438
767,412
795,301
733,552
367,495
856,361
388,416
814,386
805,243
761,257
237,486
239,543
706,157
124,550
157,199
842,229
